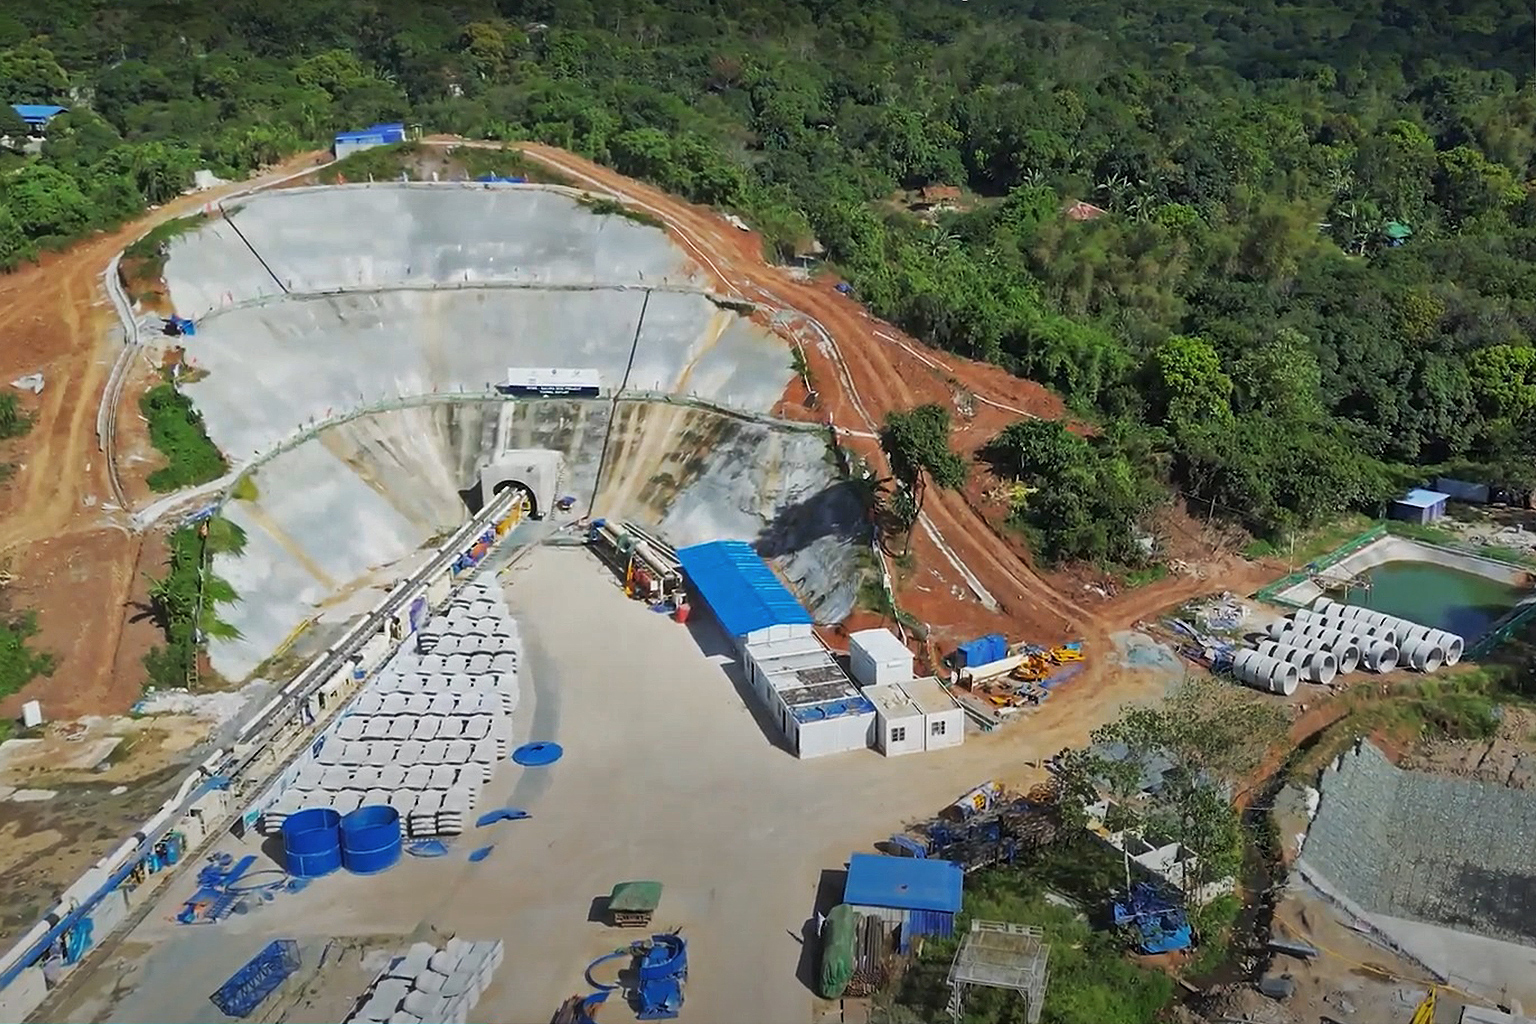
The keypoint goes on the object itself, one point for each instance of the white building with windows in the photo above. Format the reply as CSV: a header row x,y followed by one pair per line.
x,y
914,716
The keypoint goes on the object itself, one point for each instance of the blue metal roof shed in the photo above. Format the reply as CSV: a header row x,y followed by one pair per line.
x,y
1419,506
739,588
37,114
904,883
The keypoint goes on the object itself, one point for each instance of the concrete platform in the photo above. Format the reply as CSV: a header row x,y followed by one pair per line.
x,y
667,774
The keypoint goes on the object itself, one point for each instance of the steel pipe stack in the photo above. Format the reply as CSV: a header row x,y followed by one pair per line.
x,y
1315,665
1450,644
1268,674
1345,647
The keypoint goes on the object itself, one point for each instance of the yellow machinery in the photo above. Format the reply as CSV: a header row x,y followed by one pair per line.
x,y
1066,655
644,564
1032,669
1425,1013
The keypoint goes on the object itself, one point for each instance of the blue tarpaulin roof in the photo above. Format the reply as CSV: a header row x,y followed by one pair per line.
x,y
1420,498
904,883
376,130
37,113
739,587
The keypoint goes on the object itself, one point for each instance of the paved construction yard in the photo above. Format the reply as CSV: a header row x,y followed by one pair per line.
x,y
666,775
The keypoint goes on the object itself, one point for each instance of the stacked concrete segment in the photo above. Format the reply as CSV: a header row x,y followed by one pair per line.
x,y
1345,647
426,733
431,986
1376,654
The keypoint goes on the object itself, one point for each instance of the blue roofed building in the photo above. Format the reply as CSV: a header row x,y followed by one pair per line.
x,y
351,142
913,895
805,692
1418,506
37,115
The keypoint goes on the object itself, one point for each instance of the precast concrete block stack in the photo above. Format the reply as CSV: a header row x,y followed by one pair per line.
x,y
427,731
431,986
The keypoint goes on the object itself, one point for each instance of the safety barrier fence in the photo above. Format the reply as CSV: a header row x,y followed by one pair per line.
x,y
1272,592
105,898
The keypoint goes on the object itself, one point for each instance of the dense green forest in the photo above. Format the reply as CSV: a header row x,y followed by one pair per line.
x,y
1315,275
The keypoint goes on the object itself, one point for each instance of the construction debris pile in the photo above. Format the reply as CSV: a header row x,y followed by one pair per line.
x,y
988,825
1011,679
430,985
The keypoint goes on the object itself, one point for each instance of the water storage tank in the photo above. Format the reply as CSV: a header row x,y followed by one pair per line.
x,y
1422,654
1378,656
370,839
312,842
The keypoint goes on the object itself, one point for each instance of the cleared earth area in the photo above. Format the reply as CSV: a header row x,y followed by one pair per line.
x,y
667,774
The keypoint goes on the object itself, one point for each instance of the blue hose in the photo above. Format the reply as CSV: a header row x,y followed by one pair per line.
x,y
615,955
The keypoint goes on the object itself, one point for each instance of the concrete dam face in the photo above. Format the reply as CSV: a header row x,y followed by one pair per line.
x,y
398,308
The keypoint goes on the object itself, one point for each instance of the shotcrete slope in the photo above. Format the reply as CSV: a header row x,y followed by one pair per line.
x,y
547,287
390,235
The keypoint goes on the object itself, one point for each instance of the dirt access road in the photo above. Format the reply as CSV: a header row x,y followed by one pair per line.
x,y
70,553
967,579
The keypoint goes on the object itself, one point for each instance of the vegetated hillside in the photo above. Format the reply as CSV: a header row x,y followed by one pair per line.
x,y
1238,308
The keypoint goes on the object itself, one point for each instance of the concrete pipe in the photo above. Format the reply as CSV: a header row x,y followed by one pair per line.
x,y
1453,645
1345,646
1370,631
1364,629
1268,674
1315,665
1422,655
1276,628
1379,656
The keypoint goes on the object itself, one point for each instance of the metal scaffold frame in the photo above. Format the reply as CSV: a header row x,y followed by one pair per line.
x,y
996,954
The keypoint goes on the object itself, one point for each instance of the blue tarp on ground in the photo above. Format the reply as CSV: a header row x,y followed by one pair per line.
x,y
904,883
739,587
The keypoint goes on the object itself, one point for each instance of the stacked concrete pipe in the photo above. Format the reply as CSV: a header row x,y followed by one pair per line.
x,y
1345,647
1263,673
1450,644
1374,655
1365,629
1316,665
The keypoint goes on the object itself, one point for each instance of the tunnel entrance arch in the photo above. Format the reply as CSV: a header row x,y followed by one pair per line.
x,y
525,503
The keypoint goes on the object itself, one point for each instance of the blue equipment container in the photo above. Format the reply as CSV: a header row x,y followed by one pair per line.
x,y
370,839
312,842
981,651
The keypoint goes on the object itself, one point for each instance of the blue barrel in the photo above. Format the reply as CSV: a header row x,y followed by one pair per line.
x,y
370,839
312,842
